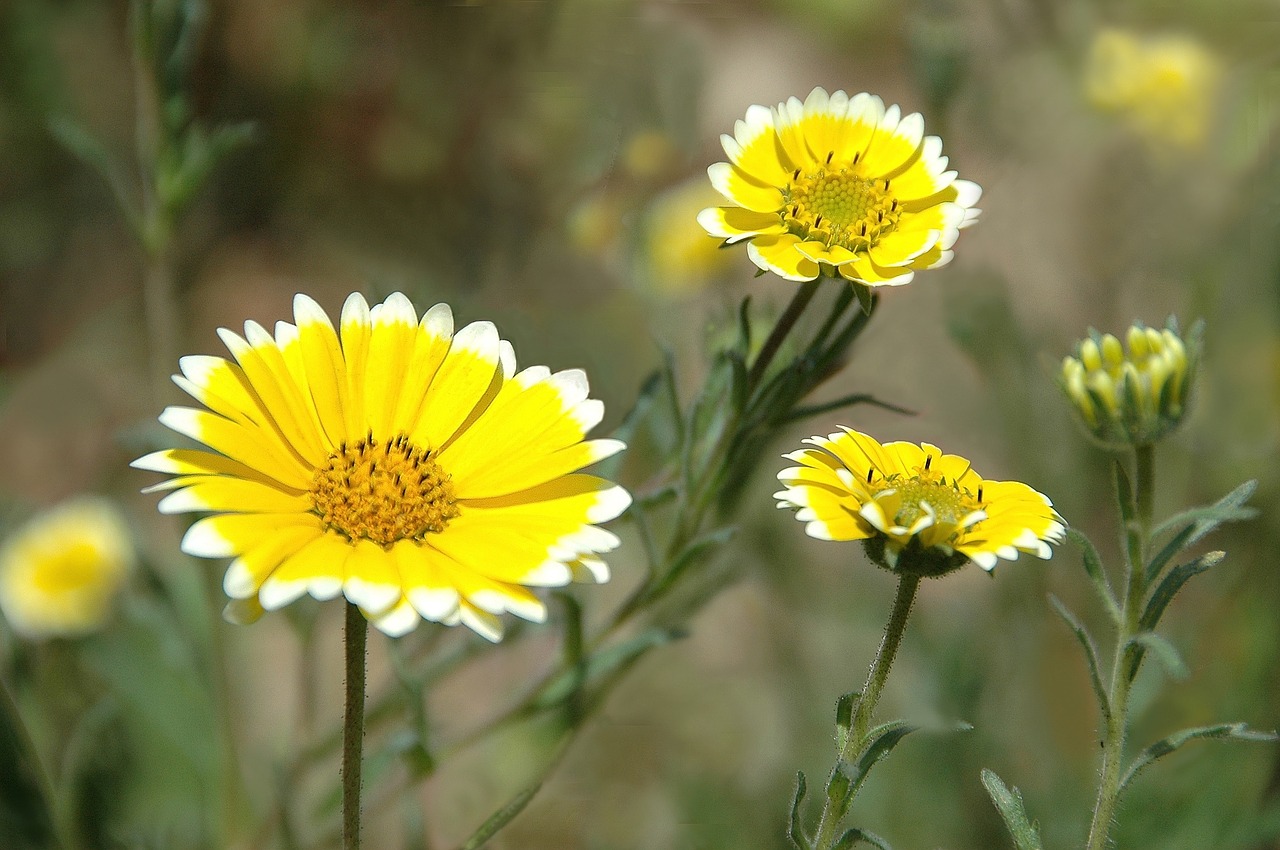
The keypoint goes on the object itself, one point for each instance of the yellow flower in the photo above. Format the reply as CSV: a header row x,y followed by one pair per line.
x,y
393,461
680,257
1134,398
60,572
1164,86
918,510
839,183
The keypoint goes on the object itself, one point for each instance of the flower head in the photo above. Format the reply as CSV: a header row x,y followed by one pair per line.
x,y
60,572
839,183
1134,397
918,510
680,258
1164,86
393,460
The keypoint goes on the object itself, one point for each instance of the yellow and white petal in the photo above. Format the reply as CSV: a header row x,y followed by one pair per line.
x,y
228,535
832,255
895,145
736,223
397,621
864,270
528,472
391,348
319,568
234,495
324,366
431,346
372,578
242,443
778,254
246,573
743,189
424,580
264,366
242,612
482,623
465,377
754,147
898,249
356,331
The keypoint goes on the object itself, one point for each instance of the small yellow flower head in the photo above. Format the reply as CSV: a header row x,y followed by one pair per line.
x,y
1135,397
60,572
839,184
1163,86
678,256
918,511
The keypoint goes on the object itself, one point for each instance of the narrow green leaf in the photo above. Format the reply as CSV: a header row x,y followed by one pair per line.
x,y
501,818
1090,653
1172,583
699,548
1008,802
1162,748
744,325
796,829
1162,558
1168,656
563,686
882,740
85,147
1230,508
844,401
1098,575
26,804
844,717
853,836
1124,493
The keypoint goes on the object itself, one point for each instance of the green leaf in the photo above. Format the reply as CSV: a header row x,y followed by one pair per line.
x,y
853,836
795,829
501,818
26,813
1124,494
844,401
1168,656
564,685
844,717
85,147
1162,748
698,548
1093,567
882,739
1196,523
1090,653
1172,583
865,298
1008,802
744,325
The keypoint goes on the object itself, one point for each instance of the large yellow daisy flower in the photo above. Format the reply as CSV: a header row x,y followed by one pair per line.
x,y
839,183
919,510
393,461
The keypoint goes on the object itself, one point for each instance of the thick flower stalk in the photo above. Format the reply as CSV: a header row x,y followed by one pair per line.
x,y
1137,396
393,461
839,185
61,571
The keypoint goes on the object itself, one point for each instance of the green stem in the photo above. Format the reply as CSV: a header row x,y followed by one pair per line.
x,y
856,741
779,333
357,634
1104,809
25,747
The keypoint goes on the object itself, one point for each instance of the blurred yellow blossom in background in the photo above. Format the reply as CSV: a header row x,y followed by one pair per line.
x,y
680,257
60,572
1163,86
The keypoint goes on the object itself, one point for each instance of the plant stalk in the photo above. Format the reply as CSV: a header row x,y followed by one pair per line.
x,y
356,639
1104,809
780,331
877,675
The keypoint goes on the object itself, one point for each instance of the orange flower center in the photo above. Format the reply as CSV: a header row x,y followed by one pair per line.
x,y
383,492
838,206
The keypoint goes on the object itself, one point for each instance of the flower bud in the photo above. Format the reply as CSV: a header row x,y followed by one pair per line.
x,y
1132,397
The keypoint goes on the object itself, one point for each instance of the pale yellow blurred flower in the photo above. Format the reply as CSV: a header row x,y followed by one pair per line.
x,y
60,572
595,222
649,155
679,255
1164,86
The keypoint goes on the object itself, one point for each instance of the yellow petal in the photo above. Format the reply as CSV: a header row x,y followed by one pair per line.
x,y
466,376
743,189
895,145
778,254
372,580
356,331
736,223
430,346
247,572
242,443
322,361
319,568
391,348
236,495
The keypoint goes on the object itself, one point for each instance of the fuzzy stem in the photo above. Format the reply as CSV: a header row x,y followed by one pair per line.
x,y
779,333
357,634
1104,810
877,675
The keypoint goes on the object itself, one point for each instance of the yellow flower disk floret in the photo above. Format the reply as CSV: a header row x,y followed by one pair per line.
x,y
839,185
392,460
917,509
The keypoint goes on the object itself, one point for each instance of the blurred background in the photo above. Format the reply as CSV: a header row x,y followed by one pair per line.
x,y
540,164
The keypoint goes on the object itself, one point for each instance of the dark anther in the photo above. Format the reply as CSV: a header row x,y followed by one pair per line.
x,y
829,155
796,174
870,474
817,222
928,459
979,495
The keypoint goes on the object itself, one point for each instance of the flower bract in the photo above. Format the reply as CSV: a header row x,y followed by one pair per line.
x,y
60,572
918,510
839,184
392,460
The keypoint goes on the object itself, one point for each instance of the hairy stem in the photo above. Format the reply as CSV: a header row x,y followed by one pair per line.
x,y
357,634
877,675
780,331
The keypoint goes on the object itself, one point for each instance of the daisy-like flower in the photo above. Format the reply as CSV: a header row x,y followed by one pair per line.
x,y
918,510
392,460
839,184
60,572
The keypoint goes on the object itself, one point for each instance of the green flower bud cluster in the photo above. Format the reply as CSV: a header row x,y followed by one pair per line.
x,y
1132,397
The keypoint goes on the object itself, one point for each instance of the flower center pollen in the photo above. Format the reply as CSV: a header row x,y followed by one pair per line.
x,y
383,492
950,502
838,206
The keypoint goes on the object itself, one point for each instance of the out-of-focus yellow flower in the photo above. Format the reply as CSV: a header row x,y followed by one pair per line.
x,y
679,256
1164,86
393,461
649,155
839,184
1135,397
593,225
918,510
60,572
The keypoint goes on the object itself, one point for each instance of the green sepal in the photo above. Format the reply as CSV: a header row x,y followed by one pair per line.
x,y
1090,653
866,298
1093,567
1162,748
1008,802
844,717
795,829
1168,656
853,836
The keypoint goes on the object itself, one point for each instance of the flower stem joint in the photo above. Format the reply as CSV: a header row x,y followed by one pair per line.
x,y
1137,396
